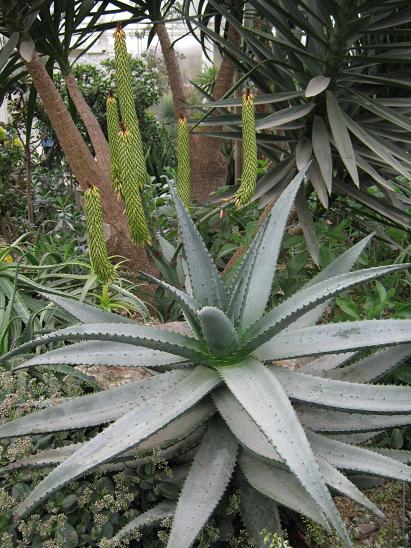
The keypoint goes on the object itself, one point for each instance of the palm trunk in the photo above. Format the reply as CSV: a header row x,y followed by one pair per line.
x,y
209,166
86,169
91,123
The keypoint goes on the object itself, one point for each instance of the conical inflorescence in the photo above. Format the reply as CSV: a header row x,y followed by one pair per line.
x,y
137,222
113,128
127,105
249,175
96,240
129,155
183,161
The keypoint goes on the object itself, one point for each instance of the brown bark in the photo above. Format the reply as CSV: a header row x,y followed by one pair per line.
x,y
86,169
97,137
208,164
175,78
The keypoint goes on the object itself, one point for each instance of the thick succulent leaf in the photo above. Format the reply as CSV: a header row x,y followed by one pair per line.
x,y
334,338
344,486
343,395
50,457
325,363
206,283
284,116
281,486
175,438
104,353
330,421
127,432
206,482
218,331
189,306
301,302
149,518
238,289
255,285
240,423
242,426
397,454
139,335
340,265
258,512
372,367
322,150
264,399
358,459
341,136
92,409
86,313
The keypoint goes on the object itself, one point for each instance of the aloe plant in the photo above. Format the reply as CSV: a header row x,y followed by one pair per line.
x,y
222,392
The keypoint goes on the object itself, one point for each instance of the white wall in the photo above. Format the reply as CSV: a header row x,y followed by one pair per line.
x,y
192,60
3,112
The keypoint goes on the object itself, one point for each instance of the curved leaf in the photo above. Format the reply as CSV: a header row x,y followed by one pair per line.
x,y
149,518
284,116
127,432
333,422
358,459
86,313
340,265
344,395
218,331
264,399
294,307
341,136
322,150
281,486
254,286
334,338
103,353
139,335
207,285
92,409
372,367
258,512
205,484
317,85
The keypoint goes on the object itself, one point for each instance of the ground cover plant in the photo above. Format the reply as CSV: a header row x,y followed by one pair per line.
x,y
219,397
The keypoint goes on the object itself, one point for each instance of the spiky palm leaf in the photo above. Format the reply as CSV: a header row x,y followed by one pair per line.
x,y
335,79
222,393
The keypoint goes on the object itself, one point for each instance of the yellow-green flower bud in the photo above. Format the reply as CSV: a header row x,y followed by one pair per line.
x,y
95,234
127,105
137,223
183,161
113,128
249,175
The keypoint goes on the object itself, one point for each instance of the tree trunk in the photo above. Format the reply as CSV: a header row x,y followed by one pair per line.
x,y
91,123
175,78
209,166
86,169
